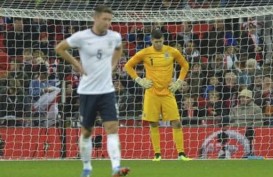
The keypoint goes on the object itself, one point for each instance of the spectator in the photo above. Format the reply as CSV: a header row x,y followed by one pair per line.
x,y
44,94
16,72
125,106
37,26
32,62
131,96
70,30
191,113
215,106
44,45
230,58
264,27
2,23
141,37
176,66
12,101
180,94
217,66
4,64
29,62
229,90
215,40
246,76
246,113
213,84
267,96
253,21
252,43
190,52
187,35
27,56
195,78
71,106
256,88
18,38
177,46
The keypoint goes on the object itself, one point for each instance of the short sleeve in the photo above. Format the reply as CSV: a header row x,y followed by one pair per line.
x,y
118,40
74,40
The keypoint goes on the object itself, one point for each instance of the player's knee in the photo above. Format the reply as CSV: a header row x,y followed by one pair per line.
x,y
176,124
153,124
86,132
111,127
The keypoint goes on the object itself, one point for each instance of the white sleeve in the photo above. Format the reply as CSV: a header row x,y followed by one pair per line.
x,y
118,40
74,40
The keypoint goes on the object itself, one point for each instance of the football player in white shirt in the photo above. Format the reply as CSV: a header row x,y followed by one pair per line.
x,y
100,50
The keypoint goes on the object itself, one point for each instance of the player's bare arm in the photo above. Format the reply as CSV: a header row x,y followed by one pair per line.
x,y
116,56
61,49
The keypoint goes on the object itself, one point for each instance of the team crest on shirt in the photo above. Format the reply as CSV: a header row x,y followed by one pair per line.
x,y
166,55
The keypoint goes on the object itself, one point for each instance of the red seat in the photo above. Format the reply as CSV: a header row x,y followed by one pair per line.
x,y
121,28
9,27
204,59
201,28
4,64
58,28
138,25
130,47
2,46
174,28
59,37
201,102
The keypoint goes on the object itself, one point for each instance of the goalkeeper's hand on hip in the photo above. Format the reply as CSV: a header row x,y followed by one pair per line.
x,y
145,83
174,86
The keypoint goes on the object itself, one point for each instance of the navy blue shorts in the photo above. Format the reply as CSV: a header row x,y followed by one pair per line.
x,y
91,105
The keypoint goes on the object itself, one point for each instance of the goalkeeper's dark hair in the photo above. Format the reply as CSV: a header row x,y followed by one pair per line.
x,y
156,34
103,9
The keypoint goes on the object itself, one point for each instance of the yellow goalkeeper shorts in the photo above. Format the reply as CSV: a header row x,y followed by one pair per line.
x,y
159,107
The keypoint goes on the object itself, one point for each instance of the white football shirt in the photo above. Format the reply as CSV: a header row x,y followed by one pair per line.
x,y
96,57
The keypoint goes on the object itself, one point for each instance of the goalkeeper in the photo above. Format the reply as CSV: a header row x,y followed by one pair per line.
x,y
159,97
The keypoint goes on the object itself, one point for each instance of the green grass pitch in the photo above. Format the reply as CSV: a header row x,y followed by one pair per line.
x,y
141,168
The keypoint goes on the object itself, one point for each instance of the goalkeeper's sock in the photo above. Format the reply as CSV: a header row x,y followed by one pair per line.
x,y
113,149
155,136
85,152
178,139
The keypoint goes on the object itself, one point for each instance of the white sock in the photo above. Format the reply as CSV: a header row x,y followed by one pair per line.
x,y
113,148
85,146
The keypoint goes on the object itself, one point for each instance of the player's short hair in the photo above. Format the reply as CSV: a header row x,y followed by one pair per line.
x,y
156,34
103,9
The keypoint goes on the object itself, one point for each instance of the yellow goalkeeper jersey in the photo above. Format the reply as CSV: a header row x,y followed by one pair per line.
x,y
158,67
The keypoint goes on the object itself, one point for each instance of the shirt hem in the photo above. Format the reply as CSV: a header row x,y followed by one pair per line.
x,y
95,93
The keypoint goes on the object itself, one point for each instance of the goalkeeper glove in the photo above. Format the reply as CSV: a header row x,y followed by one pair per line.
x,y
145,83
175,85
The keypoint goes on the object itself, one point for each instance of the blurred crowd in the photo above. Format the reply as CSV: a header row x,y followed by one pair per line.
x,y
132,4
230,78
